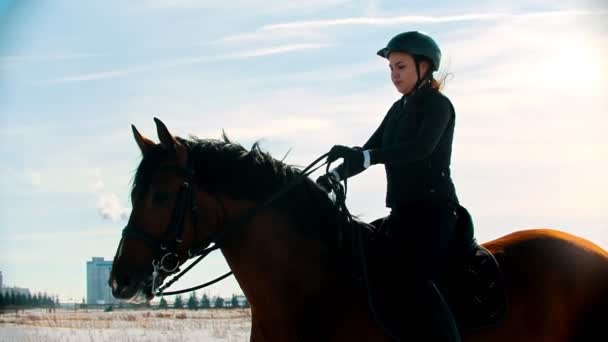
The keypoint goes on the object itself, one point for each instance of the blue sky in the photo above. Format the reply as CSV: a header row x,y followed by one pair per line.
x,y
528,81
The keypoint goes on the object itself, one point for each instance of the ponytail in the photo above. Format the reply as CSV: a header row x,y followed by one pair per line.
x,y
440,84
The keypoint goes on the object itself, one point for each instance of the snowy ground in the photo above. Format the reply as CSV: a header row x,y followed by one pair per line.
x,y
154,325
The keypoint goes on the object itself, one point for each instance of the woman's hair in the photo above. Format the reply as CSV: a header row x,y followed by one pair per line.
x,y
439,84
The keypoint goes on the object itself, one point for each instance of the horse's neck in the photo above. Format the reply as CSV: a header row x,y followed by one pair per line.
x,y
268,251
274,264
291,281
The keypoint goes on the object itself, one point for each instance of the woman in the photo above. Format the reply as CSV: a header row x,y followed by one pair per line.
x,y
414,142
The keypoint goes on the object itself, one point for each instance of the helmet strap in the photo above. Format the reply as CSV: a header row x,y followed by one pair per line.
x,y
417,62
419,82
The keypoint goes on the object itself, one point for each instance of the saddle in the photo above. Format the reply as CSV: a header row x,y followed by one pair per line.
x,y
472,284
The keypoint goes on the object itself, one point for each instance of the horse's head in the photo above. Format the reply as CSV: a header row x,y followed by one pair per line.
x,y
163,226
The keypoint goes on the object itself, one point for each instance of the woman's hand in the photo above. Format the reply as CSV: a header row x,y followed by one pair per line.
x,y
352,156
325,182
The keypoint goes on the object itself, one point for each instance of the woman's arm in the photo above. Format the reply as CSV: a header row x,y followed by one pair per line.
x,y
435,118
374,142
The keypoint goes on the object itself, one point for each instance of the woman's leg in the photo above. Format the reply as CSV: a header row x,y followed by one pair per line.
x,y
420,235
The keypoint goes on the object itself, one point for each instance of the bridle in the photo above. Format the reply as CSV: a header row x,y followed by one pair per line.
x,y
167,258
166,247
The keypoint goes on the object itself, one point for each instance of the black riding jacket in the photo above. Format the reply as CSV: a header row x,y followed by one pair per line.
x,y
414,142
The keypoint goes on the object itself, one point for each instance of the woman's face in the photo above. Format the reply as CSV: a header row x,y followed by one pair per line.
x,y
403,71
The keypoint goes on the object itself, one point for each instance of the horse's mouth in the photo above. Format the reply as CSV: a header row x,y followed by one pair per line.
x,y
138,293
145,292
141,296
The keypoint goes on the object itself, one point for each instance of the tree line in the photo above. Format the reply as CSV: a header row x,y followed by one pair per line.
x,y
194,303
39,300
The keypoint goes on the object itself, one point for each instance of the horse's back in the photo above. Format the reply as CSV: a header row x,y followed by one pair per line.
x,y
556,283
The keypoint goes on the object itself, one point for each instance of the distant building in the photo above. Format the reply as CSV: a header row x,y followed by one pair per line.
x,y
98,290
15,290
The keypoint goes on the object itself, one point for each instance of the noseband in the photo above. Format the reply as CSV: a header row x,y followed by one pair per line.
x,y
166,247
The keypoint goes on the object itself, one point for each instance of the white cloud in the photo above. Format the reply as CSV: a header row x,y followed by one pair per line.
x,y
110,208
419,19
108,204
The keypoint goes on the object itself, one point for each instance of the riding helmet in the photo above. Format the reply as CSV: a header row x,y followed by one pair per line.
x,y
414,43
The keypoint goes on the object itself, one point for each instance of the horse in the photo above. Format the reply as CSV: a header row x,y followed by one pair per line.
x,y
285,259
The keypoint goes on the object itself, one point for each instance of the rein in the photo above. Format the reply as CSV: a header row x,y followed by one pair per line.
x,y
169,262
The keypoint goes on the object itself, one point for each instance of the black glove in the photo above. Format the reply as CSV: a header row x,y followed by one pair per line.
x,y
352,156
324,182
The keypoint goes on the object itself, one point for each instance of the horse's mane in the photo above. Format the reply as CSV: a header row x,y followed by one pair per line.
x,y
225,167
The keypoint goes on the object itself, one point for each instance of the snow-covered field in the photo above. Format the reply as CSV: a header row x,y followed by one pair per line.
x,y
155,325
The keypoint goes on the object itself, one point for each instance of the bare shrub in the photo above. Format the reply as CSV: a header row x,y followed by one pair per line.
x,y
129,317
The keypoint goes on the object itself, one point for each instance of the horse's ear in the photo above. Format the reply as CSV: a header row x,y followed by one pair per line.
x,y
145,144
170,142
164,136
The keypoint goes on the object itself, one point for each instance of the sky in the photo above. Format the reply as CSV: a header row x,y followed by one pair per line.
x,y
528,80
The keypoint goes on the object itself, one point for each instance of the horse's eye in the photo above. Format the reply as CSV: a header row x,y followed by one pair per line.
x,y
161,197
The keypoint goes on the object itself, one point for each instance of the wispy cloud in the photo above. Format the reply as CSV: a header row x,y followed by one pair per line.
x,y
46,58
282,127
263,35
276,50
181,62
257,6
7,62
415,19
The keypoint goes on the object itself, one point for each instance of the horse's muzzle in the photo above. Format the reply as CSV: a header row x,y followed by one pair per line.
x,y
131,288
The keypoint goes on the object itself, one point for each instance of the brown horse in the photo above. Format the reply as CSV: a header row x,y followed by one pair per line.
x,y
284,258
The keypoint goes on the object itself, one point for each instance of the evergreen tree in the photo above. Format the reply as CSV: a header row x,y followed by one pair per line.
x,y
219,302
205,302
193,301
163,304
178,304
245,303
13,299
234,302
20,299
46,301
2,303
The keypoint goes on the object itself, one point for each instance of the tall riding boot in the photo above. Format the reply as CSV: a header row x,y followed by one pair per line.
x,y
446,328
